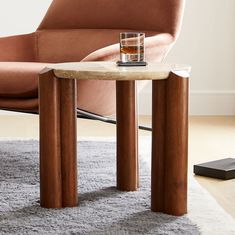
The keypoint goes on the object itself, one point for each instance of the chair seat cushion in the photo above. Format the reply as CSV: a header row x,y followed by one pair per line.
x,y
19,89
19,79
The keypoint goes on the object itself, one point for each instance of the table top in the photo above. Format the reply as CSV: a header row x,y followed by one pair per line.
x,y
110,71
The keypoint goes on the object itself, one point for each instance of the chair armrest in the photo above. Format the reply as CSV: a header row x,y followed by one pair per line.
x,y
156,48
18,48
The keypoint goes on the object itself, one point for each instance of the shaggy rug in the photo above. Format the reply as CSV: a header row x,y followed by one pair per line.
x,y
102,209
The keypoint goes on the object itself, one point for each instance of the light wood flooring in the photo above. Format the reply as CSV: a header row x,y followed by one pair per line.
x,y
210,138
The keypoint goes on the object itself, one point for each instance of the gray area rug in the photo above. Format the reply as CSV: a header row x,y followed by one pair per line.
x,y
102,209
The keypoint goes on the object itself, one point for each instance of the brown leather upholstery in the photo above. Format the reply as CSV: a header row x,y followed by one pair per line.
x,y
71,45
154,15
18,48
83,30
19,79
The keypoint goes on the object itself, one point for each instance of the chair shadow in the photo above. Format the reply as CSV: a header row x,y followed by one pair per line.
x,y
96,195
146,222
99,194
142,222
83,198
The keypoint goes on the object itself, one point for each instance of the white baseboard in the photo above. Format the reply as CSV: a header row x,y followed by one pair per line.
x,y
202,103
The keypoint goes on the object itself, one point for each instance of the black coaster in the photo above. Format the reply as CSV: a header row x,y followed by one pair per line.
x,y
142,63
221,169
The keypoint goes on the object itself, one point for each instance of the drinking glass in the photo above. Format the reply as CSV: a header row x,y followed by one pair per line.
x,y
132,47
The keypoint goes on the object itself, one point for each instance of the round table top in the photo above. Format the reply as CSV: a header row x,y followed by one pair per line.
x,y
110,71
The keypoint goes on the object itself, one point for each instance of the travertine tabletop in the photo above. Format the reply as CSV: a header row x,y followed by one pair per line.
x,y
110,71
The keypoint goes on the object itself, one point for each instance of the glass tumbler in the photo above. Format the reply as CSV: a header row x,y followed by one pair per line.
x,y
132,47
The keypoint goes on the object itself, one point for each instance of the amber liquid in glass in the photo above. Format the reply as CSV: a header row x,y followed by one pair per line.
x,y
132,53
132,49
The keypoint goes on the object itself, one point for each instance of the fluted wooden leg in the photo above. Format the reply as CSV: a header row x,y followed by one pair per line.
x,y
68,122
50,151
170,145
127,136
158,144
58,169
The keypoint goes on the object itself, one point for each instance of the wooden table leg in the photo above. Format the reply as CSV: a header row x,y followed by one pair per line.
x,y
68,122
127,136
58,171
170,145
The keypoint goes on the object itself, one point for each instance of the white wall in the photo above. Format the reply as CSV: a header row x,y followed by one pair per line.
x,y
207,42
21,16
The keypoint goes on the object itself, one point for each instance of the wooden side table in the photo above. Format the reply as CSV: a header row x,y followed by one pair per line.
x,y
58,142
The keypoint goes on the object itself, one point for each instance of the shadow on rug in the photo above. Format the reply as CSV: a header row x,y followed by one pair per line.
x,y
102,209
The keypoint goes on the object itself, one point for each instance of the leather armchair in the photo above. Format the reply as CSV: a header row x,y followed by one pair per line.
x,y
83,30
17,48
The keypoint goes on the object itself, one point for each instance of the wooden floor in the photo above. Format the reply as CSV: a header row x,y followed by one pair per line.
x,y
210,138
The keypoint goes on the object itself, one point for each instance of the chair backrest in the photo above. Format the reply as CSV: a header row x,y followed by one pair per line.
x,y
72,29
154,15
